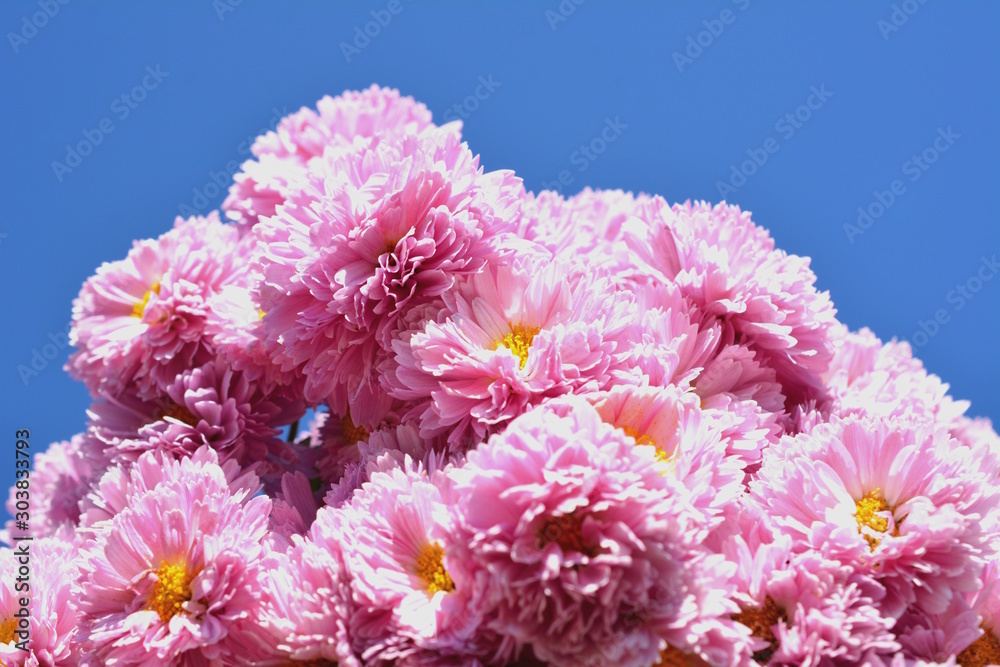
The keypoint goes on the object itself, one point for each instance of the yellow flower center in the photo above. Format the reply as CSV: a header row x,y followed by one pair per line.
x,y
7,629
518,341
171,591
761,621
430,569
139,307
867,514
643,439
984,651
352,433
640,438
567,532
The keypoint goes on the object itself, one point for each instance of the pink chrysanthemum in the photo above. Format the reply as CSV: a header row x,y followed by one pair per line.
x,y
173,576
586,549
341,443
59,479
283,154
586,225
804,609
908,505
867,377
952,637
729,268
140,321
395,538
43,572
690,444
384,450
668,344
372,233
209,405
306,603
509,338
235,332
121,484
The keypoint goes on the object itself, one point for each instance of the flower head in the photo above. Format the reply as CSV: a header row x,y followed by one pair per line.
x,y
208,405
61,477
141,320
907,505
805,609
373,233
729,269
174,575
395,539
282,155
507,339
584,545
49,632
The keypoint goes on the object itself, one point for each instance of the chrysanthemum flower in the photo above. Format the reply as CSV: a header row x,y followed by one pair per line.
x,y
50,626
586,549
173,577
804,609
140,321
586,225
668,344
340,443
374,232
867,377
982,647
729,269
209,405
672,344
690,444
283,154
394,535
509,338
952,637
306,603
235,332
121,484
59,479
908,505
385,450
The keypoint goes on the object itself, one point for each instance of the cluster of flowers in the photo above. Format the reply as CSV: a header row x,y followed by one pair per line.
x,y
585,431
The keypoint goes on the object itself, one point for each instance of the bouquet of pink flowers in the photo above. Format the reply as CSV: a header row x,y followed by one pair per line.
x,y
584,431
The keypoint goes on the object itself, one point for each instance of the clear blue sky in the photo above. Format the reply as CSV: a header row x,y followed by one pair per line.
x,y
696,88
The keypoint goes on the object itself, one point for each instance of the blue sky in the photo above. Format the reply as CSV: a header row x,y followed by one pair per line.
x,y
862,134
